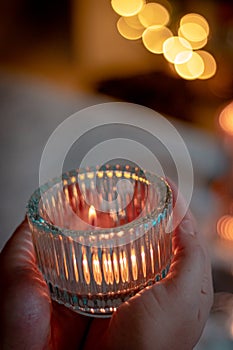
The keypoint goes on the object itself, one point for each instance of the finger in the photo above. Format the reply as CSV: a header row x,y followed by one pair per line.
x,y
68,327
24,298
179,206
191,261
187,268
190,274
25,302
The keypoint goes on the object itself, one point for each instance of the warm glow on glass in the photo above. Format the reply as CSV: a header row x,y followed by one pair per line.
x,y
159,255
64,258
154,14
116,267
100,174
109,173
134,22
134,264
118,173
226,119
195,44
75,197
225,227
210,65
124,267
86,271
152,257
127,31
192,69
90,175
107,268
96,268
55,257
193,32
177,50
195,18
154,37
127,174
127,7
76,277
143,256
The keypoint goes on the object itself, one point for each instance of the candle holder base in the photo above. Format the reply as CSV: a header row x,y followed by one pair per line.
x,y
101,305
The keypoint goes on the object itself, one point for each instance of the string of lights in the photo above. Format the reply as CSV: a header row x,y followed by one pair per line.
x,y
149,21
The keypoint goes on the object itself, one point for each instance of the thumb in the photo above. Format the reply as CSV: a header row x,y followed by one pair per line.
x,y
24,297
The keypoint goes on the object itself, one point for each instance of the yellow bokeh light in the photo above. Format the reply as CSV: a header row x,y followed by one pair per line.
x,y
197,19
154,37
225,227
127,7
127,31
226,119
154,14
134,22
193,32
192,69
210,65
195,44
177,50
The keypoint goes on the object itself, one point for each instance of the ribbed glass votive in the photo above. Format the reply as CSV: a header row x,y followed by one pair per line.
x,y
101,235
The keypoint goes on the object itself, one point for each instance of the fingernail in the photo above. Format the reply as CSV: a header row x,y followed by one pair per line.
x,y
187,226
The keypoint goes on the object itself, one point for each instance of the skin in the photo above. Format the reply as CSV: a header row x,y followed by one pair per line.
x,y
171,314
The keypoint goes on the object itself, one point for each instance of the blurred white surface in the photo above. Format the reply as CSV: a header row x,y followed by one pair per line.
x,y
29,112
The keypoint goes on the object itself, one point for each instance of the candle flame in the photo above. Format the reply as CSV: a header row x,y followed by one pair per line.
x,y
92,215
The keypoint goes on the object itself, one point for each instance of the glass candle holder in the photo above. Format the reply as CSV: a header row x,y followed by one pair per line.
x,y
101,235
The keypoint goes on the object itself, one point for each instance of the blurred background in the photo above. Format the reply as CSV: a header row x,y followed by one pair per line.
x,y
57,57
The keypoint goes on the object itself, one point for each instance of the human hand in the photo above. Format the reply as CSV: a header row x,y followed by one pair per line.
x,y
171,314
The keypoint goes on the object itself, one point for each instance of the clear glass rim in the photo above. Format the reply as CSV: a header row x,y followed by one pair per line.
x,y
41,223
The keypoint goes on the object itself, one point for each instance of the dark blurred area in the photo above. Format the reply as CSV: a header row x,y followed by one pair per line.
x,y
33,20
36,37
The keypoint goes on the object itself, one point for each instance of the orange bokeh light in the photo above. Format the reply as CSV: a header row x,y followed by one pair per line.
x,y
226,119
192,69
154,37
195,18
210,65
128,31
154,14
177,50
127,7
193,32
225,227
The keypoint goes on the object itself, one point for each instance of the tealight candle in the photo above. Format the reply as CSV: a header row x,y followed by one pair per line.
x,y
101,235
